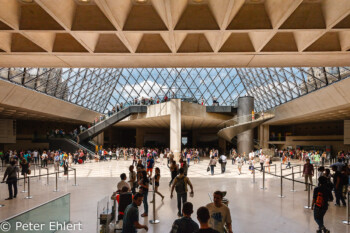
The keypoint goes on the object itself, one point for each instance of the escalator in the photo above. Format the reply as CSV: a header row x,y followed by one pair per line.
x,y
115,118
68,145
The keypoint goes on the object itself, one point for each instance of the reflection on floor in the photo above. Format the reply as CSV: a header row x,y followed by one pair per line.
x,y
252,209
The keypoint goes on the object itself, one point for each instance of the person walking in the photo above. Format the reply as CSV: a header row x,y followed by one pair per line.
x,y
219,214
131,216
144,185
25,168
173,170
185,224
180,185
11,181
261,160
308,172
156,183
212,164
239,161
132,179
223,159
322,195
338,182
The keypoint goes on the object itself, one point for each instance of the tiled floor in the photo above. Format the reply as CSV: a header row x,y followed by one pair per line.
x,y
253,209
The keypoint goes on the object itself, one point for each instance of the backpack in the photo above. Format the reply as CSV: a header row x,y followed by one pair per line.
x,y
319,200
180,186
220,160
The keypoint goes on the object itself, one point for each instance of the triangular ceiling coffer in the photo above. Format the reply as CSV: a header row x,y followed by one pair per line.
x,y
251,16
110,43
197,17
238,42
345,23
33,17
195,43
281,42
306,16
90,18
4,26
328,42
21,44
144,18
64,42
152,43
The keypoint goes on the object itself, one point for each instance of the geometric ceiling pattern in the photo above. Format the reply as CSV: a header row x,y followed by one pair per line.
x,y
100,89
174,33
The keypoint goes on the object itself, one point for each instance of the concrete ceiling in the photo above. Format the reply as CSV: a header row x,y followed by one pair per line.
x,y
10,112
174,33
331,103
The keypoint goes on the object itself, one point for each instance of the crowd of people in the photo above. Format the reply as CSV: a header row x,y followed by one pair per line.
x,y
143,173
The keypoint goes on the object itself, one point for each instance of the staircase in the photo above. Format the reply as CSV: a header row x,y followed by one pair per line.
x,y
233,128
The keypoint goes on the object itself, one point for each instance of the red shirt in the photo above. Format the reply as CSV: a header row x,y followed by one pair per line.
x,y
308,169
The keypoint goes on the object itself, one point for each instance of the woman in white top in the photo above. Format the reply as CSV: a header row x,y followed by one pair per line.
x,y
117,154
70,159
161,157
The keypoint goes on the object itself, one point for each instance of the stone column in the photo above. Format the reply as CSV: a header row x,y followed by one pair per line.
x,y
140,137
99,139
245,139
264,135
194,138
175,128
222,146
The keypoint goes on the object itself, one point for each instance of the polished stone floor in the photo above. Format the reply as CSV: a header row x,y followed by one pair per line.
x,y
252,209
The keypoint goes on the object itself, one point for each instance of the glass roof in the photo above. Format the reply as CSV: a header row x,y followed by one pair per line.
x,y
100,89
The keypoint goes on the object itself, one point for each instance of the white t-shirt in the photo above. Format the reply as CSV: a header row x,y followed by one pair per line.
x,y
219,217
224,158
121,184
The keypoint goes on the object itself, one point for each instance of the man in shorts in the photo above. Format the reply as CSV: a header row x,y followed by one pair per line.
x,y
150,165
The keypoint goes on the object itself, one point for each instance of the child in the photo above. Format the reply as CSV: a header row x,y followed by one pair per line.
x,y
251,165
156,183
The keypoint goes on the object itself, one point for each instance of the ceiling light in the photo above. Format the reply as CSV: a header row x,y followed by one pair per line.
x,y
84,1
197,1
141,1
27,1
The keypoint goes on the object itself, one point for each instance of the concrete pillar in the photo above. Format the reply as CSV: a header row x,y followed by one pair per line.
x,y
222,146
245,139
175,127
99,139
266,136
194,138
140,137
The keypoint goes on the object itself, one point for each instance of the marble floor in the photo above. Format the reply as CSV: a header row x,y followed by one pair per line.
x,y
252,209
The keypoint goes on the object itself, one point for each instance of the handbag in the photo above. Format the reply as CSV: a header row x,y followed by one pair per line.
x,y
29,171
208,169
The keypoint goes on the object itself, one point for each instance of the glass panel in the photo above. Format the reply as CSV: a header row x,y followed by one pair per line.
x,y
49,217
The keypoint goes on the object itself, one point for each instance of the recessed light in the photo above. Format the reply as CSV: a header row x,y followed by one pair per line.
x,y
197,1
141,1
27,1
84,1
